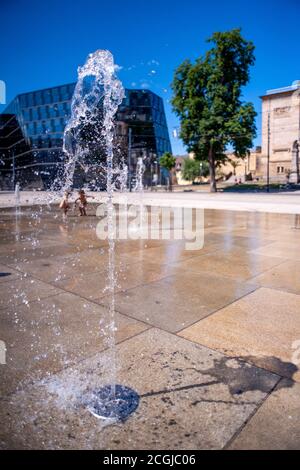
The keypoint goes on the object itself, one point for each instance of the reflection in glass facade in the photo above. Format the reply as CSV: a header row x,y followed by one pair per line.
x,y
32,126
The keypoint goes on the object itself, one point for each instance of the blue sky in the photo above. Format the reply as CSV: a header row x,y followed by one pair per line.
x,y
43,42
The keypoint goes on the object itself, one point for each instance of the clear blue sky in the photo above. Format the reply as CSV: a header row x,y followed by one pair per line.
x,y
43,42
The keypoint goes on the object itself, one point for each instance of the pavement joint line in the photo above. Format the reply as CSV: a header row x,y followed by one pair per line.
x,y
178,331
5,307
281,377
248,279
217,310
55,285
12,266
238,432
266,270
278,289
185,272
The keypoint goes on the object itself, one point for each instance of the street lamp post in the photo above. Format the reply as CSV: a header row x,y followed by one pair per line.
x,y
201,164
297,162
268,155
246,165
14,171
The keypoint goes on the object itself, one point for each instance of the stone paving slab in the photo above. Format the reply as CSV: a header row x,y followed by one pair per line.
x,y
57,268
191,398
276,425
285,276
46,336
172,252
177,301
93,286
235,263
23,291
281,249
8,274
262,328
14,257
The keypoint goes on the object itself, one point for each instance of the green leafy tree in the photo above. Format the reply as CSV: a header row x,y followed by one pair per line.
x,y
192,169
168,162
207,97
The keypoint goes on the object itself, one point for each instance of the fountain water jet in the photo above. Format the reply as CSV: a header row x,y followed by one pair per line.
x,y
17,198
90,131
139,188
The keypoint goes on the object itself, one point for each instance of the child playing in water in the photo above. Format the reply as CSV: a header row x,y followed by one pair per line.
x,y
64,204
82,202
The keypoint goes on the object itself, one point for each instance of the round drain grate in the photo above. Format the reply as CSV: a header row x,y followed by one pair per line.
x,y
104,405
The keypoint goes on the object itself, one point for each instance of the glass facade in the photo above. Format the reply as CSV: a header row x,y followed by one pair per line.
x,y
41,116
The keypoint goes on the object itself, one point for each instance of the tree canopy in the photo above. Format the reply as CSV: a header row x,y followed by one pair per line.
x,y
192,170
167,161
207,97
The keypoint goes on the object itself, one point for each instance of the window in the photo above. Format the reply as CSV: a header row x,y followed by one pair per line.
x,y
38,97
47,96
57,124
30,99
26,114
64,93
53,111
30,128
43,112
61,109
39,128
56,95
280,169
35,115
23,100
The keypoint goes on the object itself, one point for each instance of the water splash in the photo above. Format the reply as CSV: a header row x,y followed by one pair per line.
x,y
140,169
88,136
139,188
17,198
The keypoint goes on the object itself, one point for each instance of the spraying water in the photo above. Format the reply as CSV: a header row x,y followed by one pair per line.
x,y
89,134
17,198
89,143
139,188
139,175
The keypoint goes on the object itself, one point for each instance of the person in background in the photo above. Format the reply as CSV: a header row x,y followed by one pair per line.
x,y
64,204
82,202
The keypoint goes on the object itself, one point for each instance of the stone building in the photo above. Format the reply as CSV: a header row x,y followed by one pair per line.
x,y
32,130
281,133
280,139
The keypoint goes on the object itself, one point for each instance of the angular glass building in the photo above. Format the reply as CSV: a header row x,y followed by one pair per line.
x,y
31,136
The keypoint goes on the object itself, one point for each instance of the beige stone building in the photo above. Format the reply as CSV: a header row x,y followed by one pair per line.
x,y
280,139
281,133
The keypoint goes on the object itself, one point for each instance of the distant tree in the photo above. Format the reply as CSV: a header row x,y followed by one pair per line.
x,y
235,164
167,161
192,169
207,97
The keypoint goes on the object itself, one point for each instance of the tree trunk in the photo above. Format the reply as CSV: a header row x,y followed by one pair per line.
x,y
212,169
170,181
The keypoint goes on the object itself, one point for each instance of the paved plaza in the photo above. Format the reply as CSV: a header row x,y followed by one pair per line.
x,y
210,339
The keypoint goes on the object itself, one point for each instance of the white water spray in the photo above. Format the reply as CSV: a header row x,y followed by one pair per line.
x,y
88,135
